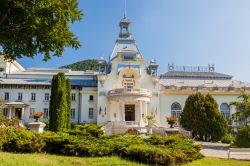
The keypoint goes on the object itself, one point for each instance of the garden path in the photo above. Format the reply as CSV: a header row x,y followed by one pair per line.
x,y
219,150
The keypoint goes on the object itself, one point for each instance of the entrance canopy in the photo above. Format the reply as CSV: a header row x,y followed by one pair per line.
x,y
17,103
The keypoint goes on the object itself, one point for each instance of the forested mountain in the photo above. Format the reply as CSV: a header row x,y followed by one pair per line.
x,y
90,64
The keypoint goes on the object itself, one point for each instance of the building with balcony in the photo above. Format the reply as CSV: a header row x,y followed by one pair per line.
x,y
124,91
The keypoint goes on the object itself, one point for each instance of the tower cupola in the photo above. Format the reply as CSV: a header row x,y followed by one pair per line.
x,y
124,28
102,65
153,67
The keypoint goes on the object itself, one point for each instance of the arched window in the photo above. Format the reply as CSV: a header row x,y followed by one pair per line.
x,y
224,109
176,109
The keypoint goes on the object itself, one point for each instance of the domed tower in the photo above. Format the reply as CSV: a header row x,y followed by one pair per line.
x,y
102,66
153,67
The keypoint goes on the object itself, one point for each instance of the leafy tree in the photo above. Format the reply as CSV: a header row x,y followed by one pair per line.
x,y
28,28
90,64
59,108
201,116
243,108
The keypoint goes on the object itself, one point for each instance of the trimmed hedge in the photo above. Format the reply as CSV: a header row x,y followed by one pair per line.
x,y
89,141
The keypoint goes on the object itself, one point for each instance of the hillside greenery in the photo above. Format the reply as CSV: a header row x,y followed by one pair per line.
x,y
90,64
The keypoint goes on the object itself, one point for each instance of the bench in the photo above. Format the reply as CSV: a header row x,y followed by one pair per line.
x,y
238,150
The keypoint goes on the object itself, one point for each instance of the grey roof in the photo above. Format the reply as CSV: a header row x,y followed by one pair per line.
x,y
195,75
203,83
41,71
75,82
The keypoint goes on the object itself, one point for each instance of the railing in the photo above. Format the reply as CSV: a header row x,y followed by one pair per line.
x,y
125,91
132,123
126,124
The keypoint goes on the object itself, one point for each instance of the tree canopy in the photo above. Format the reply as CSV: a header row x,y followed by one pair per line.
x,y
90,64
243,108
201,116
28,28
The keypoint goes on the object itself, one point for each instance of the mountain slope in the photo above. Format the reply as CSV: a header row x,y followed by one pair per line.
x,y
89,64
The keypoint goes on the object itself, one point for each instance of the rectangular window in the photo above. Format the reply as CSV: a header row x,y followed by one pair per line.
x,y
20,97
32,112
46,96
45,113
91,113
129,57
6,96
73,97
73,113
91,98
33,96
5,112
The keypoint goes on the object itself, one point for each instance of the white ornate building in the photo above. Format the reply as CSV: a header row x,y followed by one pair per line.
x,y
124,91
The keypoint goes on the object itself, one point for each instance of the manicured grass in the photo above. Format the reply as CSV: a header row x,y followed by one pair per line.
x,y
35,159
209,161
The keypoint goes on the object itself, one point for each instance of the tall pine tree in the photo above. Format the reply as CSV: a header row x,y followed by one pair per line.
x,y
60,103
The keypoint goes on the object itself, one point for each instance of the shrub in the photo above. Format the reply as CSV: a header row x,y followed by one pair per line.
x,y
55,142
21,140
178,145
88,140
2,137
243,137
149,155
91,130
228,138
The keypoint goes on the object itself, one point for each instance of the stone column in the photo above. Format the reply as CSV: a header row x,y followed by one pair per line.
x,y
140,113
22,116
146,111
117,109
123,110
9,111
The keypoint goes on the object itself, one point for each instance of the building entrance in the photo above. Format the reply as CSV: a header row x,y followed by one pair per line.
x,y
18,113
130,112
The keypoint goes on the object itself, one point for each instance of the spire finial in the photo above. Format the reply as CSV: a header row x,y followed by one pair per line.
x,y
125,8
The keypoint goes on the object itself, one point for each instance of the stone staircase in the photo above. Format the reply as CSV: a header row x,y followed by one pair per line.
x,y
122,128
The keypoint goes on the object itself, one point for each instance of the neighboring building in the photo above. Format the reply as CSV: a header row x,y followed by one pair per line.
x,y
122,93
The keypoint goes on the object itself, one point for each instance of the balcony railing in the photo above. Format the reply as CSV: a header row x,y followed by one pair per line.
x,y
134,92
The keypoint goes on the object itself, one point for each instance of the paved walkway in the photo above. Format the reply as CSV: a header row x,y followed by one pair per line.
x,y
220,150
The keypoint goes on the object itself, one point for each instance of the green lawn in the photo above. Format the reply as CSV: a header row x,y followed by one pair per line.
x,y
35,159
11,159
208,161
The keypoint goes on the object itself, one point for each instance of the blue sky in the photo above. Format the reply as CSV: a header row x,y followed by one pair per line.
x,y
184,32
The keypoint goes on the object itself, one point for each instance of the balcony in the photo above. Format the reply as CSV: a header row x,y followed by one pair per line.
x,y
129,92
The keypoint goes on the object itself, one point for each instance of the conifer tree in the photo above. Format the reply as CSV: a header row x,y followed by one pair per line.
x,y
201,116
59,106
69,101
